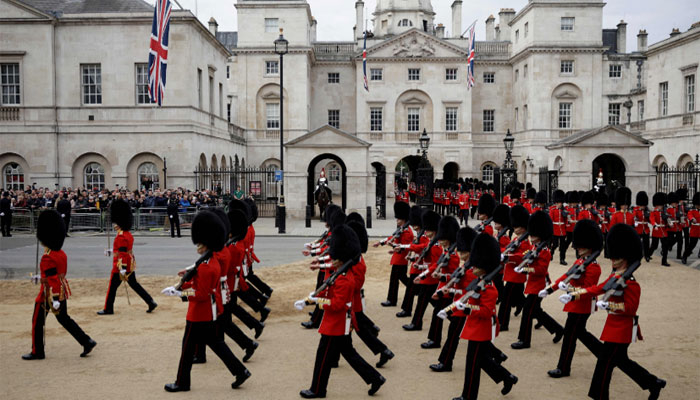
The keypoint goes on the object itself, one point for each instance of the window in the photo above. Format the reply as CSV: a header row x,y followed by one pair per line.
x,y
664,177
663,98
615,71
413,119
199,87
375,119
221,100
405,22
333,172
92,83
517,35
525,71
228,112
487,173
489,116
414,74
148,176
333,77
272,113
271,25
567,67
334,118
142,96
640,110
10,84
614,114
527,29
517,74
376,74
272,67
690,93
489,77
565,115
525,117
451,74
228,72
13,177
567,23
516,113
94,177
451,119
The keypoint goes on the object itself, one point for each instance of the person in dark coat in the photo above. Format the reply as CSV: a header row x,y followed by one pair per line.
x,y
173,216
5,214
63,208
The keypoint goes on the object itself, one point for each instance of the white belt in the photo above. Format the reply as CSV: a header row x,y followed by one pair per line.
x,y
558,223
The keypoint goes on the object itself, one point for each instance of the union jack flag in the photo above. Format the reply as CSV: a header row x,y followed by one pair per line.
x,y
364,62
470,57
158,53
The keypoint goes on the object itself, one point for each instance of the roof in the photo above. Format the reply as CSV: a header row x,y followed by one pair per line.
x,y
228,39
581,136
89,6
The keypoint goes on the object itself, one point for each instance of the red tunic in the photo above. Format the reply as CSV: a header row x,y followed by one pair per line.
x,y
358,273
399,256
588,278
514,259
584,214
619,324
694,221
336,319
475,198
622,217
236,278
537,280
464,201
205,285
431,259
122,251
673,223
657,223
572,218
640,221
558,221
53,267
418,248
452,265
479,325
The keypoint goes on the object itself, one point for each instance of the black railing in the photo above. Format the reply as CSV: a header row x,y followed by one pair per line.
x,y
671,179
259,184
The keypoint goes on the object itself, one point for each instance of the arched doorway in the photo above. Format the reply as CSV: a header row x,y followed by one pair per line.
x,y
407,167
450,172
613,171
312,176
380,189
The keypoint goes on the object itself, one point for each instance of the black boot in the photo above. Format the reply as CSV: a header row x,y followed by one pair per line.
x,y
87,348
508,384
385,356
240,379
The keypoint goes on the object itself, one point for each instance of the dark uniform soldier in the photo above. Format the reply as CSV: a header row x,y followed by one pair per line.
x,y
123,263
694,231
415,221
5,214
658,220
63,208
641,221
173,216
399,264
55,291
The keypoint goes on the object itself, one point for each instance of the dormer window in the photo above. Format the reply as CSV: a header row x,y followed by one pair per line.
x,y
405,22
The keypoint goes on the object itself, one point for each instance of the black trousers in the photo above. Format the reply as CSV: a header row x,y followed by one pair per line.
x,y
424,294
398,274
562,244
672,240
645,245
435,331
204,333
330,348
563,247
473,211
250,297
175,224
257,282
479,356
447,354
613,355
463,216
6,224
66,222
690,247
532,309
683,241
409,294
498,283
664,247
225,325
240,312
575,329
39,320
115,281
512,297
365,332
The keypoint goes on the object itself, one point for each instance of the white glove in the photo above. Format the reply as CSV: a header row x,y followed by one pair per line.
x,y
299,304
56,304
543,293
503,257
602,304
122,271
171,217
171,291
519,270
312,298
442,314
108,252
63,215
563,286
35,278
565,298
460,306
2,214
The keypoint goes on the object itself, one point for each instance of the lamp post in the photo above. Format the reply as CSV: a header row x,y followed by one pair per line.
x,y
281,48
510,169
165,173
424,178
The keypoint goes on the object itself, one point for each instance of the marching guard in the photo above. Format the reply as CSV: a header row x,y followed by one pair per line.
x,y
559,216
514,283
658,219
399,264
641,221
415,217
694,230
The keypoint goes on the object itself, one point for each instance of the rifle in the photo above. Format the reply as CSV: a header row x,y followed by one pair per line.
x,y
36,266
396,234
456,276
681,214
512,246
532,255
616,286
473,291
480,228
191,271
411,256
501,233
426,250
331,279
576,271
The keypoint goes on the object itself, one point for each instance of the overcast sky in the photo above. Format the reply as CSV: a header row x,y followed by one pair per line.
x,y
337,17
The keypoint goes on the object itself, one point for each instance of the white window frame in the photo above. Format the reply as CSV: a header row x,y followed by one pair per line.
x,y
567,67
640,110
689,84
15,173
376,119
272,25
489,121
565,115
272,116
405,22
334,77
414,74
663,99
487,173
413,119
615,71
272,67
11,84
526,29
451,119
614,113
568,24
376,74
91,84
334,118
94,177
451,74
141,84
489,77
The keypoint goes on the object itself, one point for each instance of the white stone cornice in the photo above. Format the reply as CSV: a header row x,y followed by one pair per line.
x,y
557,49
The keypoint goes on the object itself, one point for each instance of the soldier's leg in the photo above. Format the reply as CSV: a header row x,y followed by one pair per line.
x,y
472,370
664,251
409,294
690,247
435,330
506,304
547,321
447,354
233,331
192,337
70,325
249,298
654,245
365,333
114,282
645,246
366,371
574,323
640,375
258,283
680,239
393,293
327,354
219,347
131,280
38,321
530,310
242,314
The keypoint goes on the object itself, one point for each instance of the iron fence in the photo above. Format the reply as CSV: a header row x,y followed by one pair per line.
x,y
260,184
672,179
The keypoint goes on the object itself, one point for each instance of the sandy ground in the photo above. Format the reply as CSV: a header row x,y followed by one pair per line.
x,y
137,353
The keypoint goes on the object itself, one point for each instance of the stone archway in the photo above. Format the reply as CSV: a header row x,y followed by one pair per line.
x,y
380,189
406,168
311,179
614,171
450,172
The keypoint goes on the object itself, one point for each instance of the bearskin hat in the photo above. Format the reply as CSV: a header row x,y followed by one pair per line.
x,y
519,216
224,220
541,197
447,229
528,185
415,216
253,209
515,194
401,184
345,245
401,210
696,199
121,214
361,233
588,198
355,216
682,194
508,188
50,230
336,219
602,199
659,199
501,215
642,199
540,225
623,241
531,193
238,223
485,253
559,196
207,229
623,196
330,210
672,198
465,237
486,205
573,197
431,219
236,204
587,235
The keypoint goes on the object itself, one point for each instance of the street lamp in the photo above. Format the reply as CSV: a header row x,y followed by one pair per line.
x,y
424,174
424,142
281,48
509,167
165,173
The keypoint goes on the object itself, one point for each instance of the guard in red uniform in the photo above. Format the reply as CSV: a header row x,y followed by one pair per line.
x,y
622,325
481,326
572,210
587,211
674,229
658,220
587,239
252,278
123,262
559,219
683,223
399,264
540,201
415,217
530,203
463,201
623,200
203,294
484,213
514,282
474,197
337,320
694,230
540,228
54,293
642,223
514,197
501,222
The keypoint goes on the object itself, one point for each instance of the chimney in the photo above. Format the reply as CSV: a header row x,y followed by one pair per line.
x,y
622,37
359,18
497,33
490,28
642,41
213,26
504,17
314,25
457,18
675,32
440,31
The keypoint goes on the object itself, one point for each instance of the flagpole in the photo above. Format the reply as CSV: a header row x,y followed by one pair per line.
x,y
178,4
470,27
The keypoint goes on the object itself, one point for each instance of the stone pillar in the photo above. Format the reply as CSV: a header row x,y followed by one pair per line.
x,y
359,18
490,32
440,31
622,37
456,18
504,17
642,41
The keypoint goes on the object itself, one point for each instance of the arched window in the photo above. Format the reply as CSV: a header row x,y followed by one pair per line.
x,y
405,22
13,177
487,173
94,176
663,167
148,176
333,172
